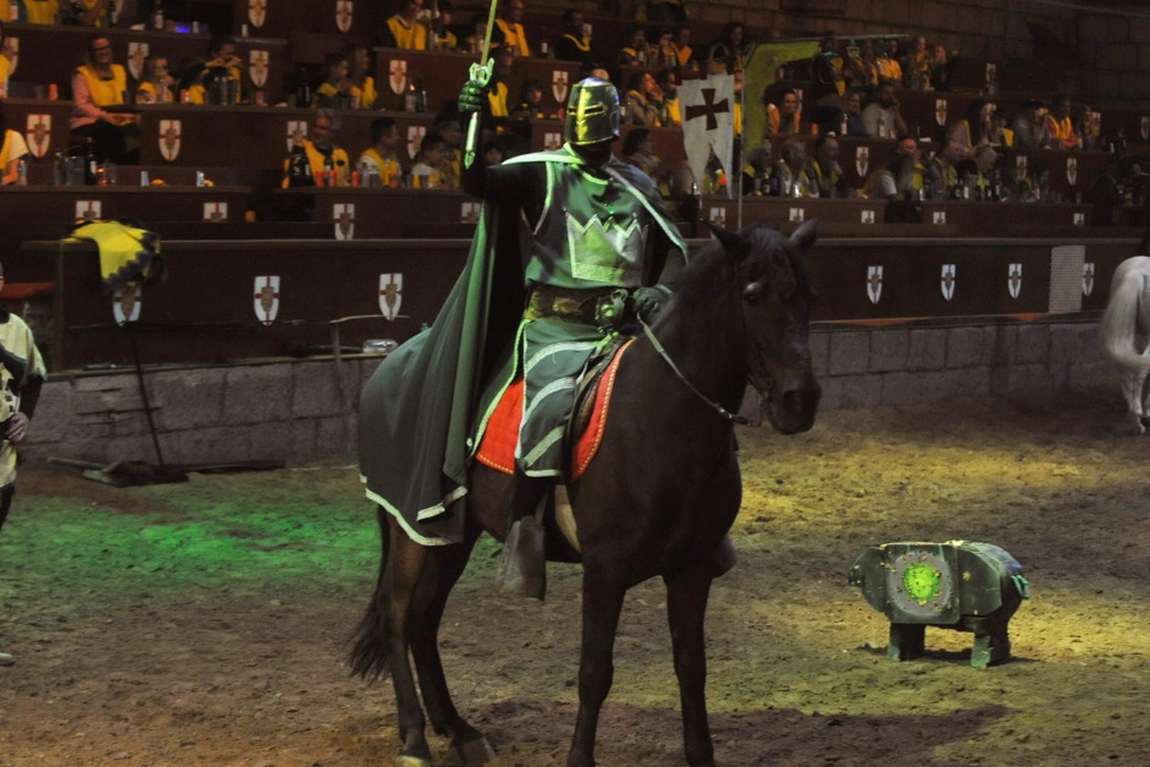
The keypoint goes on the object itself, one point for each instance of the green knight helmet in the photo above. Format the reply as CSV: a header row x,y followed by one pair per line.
x,y
592,113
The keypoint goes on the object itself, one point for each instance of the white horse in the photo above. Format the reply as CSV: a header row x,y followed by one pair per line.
x,y
1125,326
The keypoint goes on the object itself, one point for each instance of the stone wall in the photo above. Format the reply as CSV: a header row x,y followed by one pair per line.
x,y
301,412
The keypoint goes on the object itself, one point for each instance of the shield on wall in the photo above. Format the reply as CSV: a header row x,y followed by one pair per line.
x,y
343,14
170,139
415,134
469,212
991,74
938,217
258,67
89,210
552,140
1014,280
397,76
1088,278
1144,128
862,160
267,298
343,214
215,212
948,279
12,51
296,133
137,52
867,216
796,215
257,12
39,134
940,108
874,283
127,303
559,82
1072,170
390,294
718,216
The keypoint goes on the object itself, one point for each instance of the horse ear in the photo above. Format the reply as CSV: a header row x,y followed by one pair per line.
x,y
734,244
804,237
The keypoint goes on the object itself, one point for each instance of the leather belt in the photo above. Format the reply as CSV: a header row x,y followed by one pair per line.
x,y
569,304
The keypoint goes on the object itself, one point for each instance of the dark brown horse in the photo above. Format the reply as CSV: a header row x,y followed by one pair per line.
x,y
657,500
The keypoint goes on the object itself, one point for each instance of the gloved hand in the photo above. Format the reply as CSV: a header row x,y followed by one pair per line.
x,y
648,301
471,97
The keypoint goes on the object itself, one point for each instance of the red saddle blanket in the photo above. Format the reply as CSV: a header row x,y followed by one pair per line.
x,y
497,445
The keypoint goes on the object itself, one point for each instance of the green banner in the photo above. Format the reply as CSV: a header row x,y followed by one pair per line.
x,y
760,73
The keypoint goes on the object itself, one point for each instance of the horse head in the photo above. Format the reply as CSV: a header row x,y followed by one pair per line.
x,y
776,305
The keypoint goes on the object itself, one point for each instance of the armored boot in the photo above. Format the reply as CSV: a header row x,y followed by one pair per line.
x,y
523,563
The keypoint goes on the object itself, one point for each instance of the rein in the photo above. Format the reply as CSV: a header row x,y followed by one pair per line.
x,y
727,414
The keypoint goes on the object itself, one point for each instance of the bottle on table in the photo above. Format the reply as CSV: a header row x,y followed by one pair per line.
x,y
410,98
22,172
91,165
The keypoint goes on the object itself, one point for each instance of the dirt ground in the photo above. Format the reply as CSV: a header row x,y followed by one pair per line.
x,y
205,624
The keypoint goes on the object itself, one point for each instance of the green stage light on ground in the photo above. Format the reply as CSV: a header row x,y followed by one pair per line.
x,y
961,585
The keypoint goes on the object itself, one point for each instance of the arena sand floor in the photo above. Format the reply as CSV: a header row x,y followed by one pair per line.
x,y
204,624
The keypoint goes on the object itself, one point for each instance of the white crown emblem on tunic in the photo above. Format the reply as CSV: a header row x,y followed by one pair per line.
x,y
595,237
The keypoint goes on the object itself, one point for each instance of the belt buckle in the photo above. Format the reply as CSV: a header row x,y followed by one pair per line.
x,y
609,310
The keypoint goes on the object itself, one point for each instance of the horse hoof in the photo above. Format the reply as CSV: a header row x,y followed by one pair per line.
x,y
475,751
412,761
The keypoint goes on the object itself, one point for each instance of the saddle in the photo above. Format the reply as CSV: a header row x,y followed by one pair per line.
x,y
585,427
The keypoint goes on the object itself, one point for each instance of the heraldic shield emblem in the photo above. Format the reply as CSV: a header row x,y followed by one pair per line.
x,y
940,109
415,134
559,81
397,76
344,10
1144,128
267,298
39,135
89,210
257,12
874,283
343,213
1014,280
1072,171
1088,278
258,67
127,302
862,160
170,131
949,273
215,212
296,133
137,53
390,294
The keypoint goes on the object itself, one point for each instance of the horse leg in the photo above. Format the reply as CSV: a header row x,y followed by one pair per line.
x,y
687,593
406,563
602,602
445,565
1132,383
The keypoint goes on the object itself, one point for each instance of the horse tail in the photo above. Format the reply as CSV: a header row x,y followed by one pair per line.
x,y
369,654
1120,320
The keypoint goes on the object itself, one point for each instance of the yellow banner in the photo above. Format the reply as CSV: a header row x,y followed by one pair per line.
x,y
760,73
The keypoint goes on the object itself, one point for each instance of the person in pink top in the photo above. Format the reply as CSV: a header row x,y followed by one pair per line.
x,y
97,84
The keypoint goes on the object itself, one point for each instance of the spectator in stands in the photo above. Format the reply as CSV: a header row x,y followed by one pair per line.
x,y
635,52
882,118
731,47
335,90
322,154
985,159
1000,135
575,43
944,168
452,136
684,52
789,175
5,65
43,12
784,120
12,148
901,178
96,84
757,170
530,102
493,152
222,65
641,109
975,128
509,33
827,68
382,156
825,171
1030,129
158,85
917,66
666,12
497,88
85,13
404,30
427,170
858,66
1060,126
638,150
940,68
663,52
856,128
887,63
473,43
1088,124
442,37
667,81
363,92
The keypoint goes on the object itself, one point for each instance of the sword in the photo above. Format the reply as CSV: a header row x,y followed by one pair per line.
x,y
481,72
